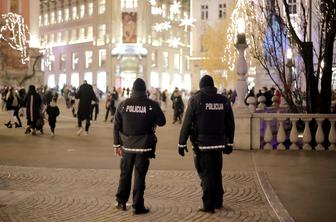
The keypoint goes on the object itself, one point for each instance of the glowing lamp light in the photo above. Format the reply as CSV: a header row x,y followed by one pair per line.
x,y
289,54
241,26
34,41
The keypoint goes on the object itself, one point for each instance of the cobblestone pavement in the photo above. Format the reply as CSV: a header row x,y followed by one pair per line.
x,y
49,194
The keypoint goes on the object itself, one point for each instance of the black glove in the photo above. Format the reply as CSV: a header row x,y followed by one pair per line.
x,y
228,149
181,150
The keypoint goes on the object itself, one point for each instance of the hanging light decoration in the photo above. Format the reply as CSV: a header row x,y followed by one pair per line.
x,y
14,32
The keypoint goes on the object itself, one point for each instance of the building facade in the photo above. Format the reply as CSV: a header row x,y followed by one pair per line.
x,y
111,43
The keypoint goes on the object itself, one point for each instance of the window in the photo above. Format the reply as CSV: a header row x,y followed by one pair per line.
x,y
65,36
101,7
90,9
74,13
101,81
40,20
59,16
82,33
129,4
101,34
45,20
73,35
52,38
154,59
88,59
51,81
75,60
165,59
75,80
204,12
292,6
82,11
59,37
62,62
102,57
52,18
88,77
66,14
89,33
176,61
222,10
165,83
62,80
154,79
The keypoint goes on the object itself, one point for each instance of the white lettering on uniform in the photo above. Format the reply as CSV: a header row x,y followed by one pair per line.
x,y
136,109
214,106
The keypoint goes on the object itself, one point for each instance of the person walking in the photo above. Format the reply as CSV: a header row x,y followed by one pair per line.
x,y
178,106
12,107
85,95
135,140
33,103
210,125
53,111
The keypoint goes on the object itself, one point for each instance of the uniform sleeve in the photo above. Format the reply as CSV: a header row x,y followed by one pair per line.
x,y
160,117
186,125
229,123
117,126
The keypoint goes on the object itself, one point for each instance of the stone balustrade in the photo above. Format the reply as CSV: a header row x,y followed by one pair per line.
x,y
293,131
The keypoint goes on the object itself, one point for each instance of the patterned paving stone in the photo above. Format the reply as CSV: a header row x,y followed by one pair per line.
x,y
88,195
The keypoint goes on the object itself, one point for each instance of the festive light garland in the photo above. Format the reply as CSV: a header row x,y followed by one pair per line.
x,y
174,42
14,24
247,10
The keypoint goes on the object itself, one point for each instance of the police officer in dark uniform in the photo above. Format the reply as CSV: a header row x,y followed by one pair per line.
x,y
210,125
135,140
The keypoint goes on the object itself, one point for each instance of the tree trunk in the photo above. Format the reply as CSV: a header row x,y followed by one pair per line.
x,y
327,73
312,92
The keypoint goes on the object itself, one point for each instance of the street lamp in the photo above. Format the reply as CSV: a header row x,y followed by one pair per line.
x,y
290,65
241,65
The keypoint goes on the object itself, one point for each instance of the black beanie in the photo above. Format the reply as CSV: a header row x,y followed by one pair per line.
x,y
206,81
139,85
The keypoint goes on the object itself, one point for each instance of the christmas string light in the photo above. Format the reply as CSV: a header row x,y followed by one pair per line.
x,y
186,22
174,42
14,24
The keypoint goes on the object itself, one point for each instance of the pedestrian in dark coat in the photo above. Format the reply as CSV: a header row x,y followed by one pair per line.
x,y
210,125
33,109
178,106
134,139
85,95
52,111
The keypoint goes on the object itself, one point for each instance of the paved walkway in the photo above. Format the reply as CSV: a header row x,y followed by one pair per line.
x,y
71,178
44,194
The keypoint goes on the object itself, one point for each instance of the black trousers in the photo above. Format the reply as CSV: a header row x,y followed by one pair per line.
x,y
209,168
84,117
96,108
52,125
140,163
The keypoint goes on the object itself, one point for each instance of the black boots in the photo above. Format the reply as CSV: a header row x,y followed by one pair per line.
x,y
9,124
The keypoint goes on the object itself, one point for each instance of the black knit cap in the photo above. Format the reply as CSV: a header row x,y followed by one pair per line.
x,y
139,85
206,81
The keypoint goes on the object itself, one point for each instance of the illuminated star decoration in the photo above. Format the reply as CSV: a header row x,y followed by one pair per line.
x,y
174,42
14,24
175,7
187,22
152,2
157,11
163,26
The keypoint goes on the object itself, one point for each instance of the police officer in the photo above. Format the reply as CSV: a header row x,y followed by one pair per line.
x,y
210,125
135,141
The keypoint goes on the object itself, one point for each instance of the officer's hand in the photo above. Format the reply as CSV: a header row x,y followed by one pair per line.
x,y
117,151
181,150
228,149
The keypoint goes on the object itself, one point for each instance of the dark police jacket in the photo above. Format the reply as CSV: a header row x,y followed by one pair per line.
x,y
209,118
134,123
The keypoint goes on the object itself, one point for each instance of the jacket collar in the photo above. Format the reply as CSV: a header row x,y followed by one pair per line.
x,y
138,94
209,90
